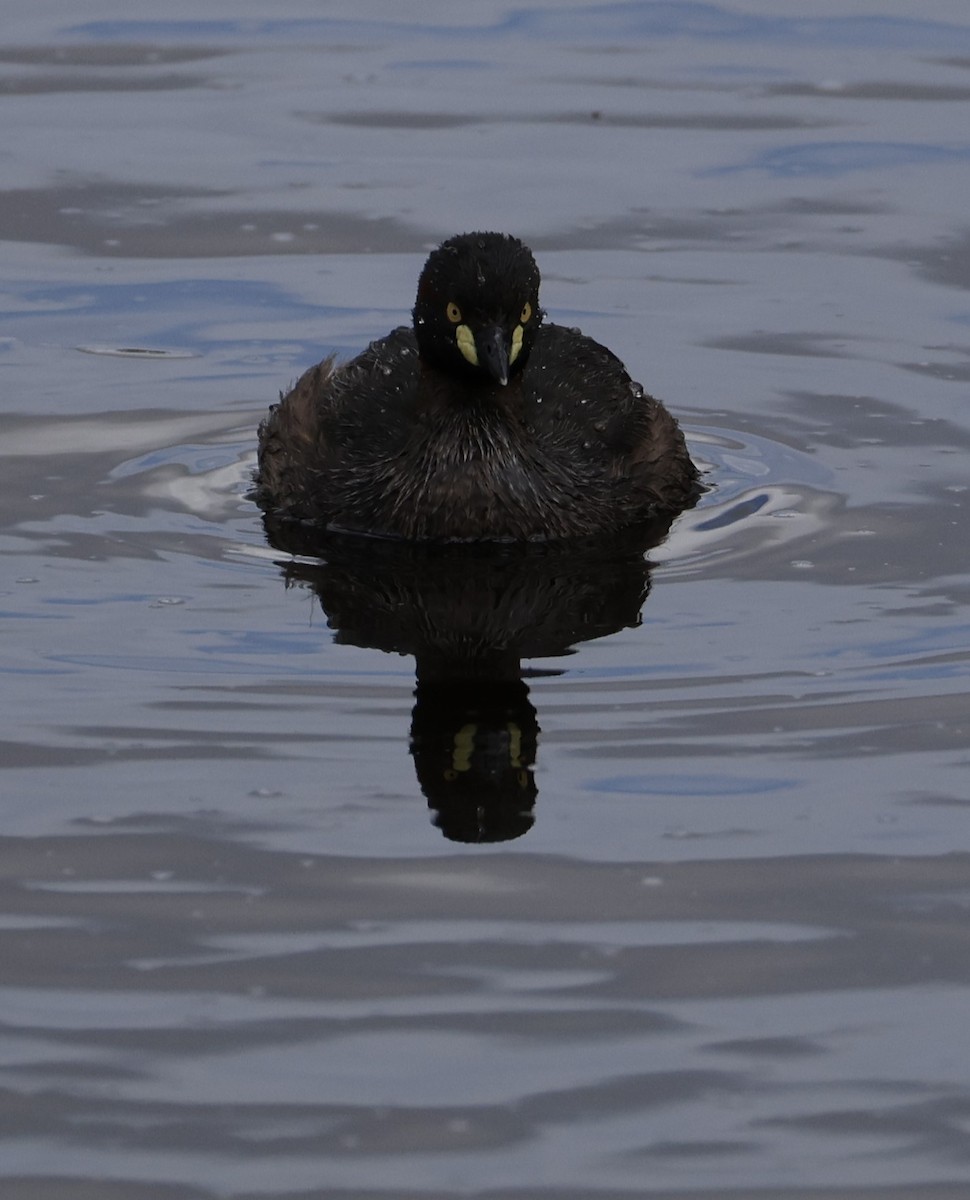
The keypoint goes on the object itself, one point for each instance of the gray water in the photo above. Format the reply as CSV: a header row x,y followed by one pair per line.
x,y
730,957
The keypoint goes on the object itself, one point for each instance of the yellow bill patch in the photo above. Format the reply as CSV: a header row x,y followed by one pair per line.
x,y
466,344
516,344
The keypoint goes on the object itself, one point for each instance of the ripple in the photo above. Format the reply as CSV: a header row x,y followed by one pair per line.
x,y
135,352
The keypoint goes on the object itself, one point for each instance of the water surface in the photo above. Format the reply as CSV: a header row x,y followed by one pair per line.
x,y
725,952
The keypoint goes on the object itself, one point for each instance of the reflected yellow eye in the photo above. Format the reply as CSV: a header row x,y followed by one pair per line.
x,y
526,312
453,312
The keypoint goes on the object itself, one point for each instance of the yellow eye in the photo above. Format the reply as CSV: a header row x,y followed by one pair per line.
x,y
526,312
453,312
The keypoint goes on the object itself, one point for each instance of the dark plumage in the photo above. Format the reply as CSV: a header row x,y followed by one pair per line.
x,y
479,423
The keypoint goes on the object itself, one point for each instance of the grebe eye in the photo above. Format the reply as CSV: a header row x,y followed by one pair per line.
x,y
526,312
453,312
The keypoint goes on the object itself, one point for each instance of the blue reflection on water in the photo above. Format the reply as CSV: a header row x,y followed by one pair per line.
x,y
297,664
923,652
592,23
690,785
194,306
113,298
839,158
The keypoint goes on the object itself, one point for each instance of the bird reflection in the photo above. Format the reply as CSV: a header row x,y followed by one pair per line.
x,y
470,614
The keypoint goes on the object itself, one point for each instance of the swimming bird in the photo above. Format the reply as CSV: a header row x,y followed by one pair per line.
x,y
479,422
